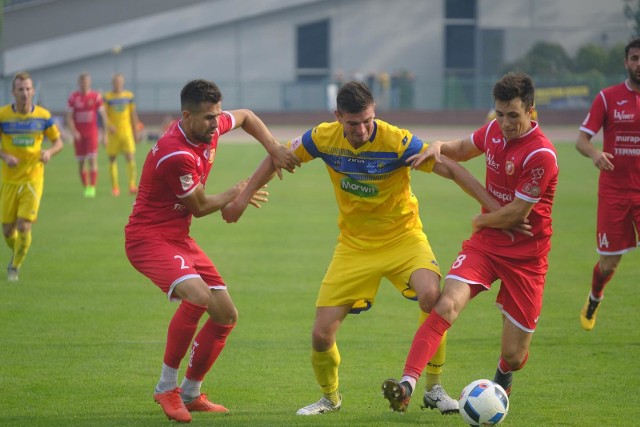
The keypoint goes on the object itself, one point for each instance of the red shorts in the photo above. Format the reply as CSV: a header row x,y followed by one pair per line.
x,y
522,281
618,224
169,262
86,146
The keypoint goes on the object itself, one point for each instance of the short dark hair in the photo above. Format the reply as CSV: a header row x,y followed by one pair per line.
x,y
513,85
198,91
354,97
634,43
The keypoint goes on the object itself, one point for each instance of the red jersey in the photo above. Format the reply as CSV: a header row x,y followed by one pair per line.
x,y
85,108
617,109
525,167
173,169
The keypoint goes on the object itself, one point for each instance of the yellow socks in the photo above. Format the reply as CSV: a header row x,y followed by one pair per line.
x,y
325,366
22,245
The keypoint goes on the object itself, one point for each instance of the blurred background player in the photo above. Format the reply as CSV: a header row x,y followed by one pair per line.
x,y
23,127
615,110
124,128
84,105
521,174
381,235
158,244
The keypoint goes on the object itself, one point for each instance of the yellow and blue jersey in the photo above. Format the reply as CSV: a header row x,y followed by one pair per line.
x,y
22,136
119,107
371,184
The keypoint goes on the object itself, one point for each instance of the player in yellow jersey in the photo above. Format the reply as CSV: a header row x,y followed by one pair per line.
x,y
123,132
23,127
380,230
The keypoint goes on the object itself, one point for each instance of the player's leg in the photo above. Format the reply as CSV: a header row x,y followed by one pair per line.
x,y
80,149
514,352
520,299
350,285
9,213
129,151
435,396
616,234
112,149
325,358
426,341
602,273
113,173
211,339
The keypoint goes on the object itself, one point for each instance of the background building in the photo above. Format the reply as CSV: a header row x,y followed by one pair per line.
x,y
289,55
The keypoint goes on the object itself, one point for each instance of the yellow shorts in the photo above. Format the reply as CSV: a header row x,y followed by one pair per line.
x,y
121,142
354,276
20,201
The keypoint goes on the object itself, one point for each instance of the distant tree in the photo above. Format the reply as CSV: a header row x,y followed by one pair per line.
x,y
591,57
544,60
615,60
632,13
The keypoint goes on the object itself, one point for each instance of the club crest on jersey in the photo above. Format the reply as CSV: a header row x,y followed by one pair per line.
x,y
509,167
210,154
373,167
186,181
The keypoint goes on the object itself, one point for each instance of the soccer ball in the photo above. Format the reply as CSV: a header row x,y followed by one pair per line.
x,y
483,403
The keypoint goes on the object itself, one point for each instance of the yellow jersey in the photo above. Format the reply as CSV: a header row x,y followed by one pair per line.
x,y
22,136
119,107
371,184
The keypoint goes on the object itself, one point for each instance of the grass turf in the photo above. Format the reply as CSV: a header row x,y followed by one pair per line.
x,y
82,333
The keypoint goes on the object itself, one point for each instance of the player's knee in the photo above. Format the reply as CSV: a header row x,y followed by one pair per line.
x,y
321,340
516,360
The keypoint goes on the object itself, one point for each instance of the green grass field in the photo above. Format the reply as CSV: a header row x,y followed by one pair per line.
x,y
82,334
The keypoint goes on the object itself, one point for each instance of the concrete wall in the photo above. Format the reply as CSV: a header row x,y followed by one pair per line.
x,y
249,46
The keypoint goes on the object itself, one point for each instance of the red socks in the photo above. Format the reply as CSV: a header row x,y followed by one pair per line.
x,y
504,367
425,344
206,347
598,281
182,328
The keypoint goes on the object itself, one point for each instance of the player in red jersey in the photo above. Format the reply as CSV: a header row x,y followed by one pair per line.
x,y
616,109
521,174
84,105
158,244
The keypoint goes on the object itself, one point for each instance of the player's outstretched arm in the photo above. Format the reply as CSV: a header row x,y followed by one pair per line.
x,y
233,210
200,204
283,157
447,168
600,159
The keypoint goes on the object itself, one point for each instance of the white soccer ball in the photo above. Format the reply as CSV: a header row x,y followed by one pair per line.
x,y
483,403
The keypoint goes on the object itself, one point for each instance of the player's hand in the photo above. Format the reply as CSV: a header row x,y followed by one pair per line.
x,y
524,229
602,161
284,158
76,135
433,150
10,160
45,156
258,197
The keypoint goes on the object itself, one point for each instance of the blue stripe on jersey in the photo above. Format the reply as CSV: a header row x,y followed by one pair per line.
x,y
365,166
118,101
415,145
25,126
